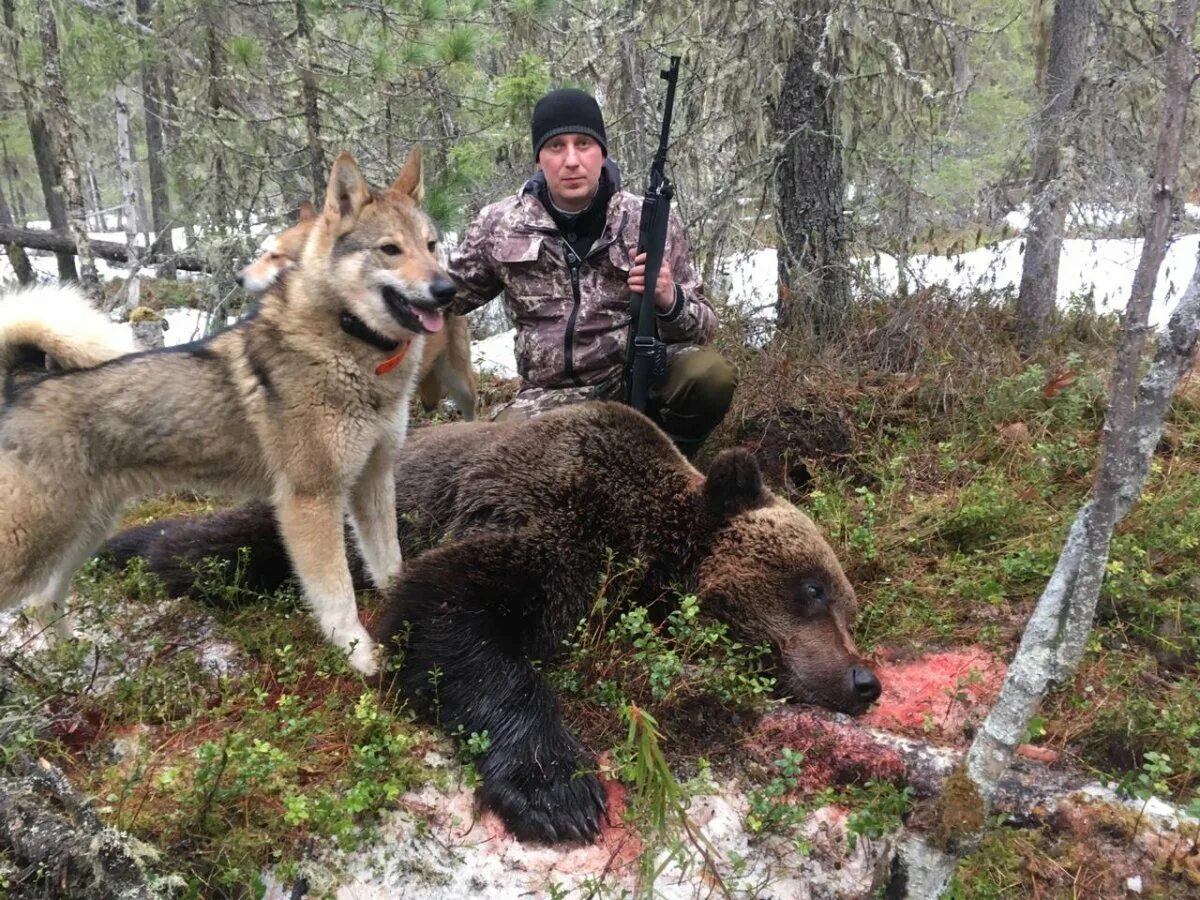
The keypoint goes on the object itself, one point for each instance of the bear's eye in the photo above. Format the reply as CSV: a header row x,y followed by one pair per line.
x,y
811,592
390,249
432,246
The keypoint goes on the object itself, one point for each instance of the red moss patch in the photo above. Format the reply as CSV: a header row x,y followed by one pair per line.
x,y
941,696
834,752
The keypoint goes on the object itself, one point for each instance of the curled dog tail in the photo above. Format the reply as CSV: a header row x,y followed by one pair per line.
x,y
56,322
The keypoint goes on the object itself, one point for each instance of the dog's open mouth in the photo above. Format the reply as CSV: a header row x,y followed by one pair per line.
x,y
413,316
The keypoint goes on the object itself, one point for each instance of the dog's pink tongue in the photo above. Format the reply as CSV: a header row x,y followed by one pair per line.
x,y
431,319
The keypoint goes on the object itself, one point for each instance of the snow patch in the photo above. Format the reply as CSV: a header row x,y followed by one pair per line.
x,y
435,847
496,354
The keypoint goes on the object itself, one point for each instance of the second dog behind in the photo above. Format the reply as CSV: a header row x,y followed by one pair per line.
x,y
445,369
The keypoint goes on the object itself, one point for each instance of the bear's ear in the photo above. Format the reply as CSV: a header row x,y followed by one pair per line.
x,y
734,485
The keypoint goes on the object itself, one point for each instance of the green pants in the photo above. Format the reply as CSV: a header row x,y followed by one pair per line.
x,y
687,404
693,397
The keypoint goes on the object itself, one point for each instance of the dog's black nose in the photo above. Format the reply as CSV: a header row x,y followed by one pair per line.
x,y
866,685
443,290
240,279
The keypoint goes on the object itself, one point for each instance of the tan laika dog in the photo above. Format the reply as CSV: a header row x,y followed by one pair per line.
x,y
445,368
305,404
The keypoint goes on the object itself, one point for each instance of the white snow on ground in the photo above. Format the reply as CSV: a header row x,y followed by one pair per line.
x,y
496,354
1096,271
1099,269
435,847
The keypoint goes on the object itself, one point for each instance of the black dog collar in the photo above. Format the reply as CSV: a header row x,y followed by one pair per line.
x,y
357,328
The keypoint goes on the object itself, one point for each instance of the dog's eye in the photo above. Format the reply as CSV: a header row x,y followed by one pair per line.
x,y
390,249
432,246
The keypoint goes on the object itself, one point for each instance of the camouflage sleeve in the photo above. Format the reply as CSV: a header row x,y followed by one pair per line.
x,y
473,268
691,320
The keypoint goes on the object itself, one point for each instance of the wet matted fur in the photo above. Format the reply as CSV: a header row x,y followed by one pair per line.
x,y
304,403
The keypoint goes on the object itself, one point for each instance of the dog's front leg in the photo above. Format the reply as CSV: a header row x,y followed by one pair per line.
x,y
311,526
373,512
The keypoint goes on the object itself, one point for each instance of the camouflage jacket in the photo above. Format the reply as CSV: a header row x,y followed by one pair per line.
x,y
571,331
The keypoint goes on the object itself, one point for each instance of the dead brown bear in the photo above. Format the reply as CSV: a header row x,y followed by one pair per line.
x,y
530,509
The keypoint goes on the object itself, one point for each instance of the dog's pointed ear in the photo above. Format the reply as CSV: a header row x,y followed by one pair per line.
x,y
734,485
307,213
411,181
348,192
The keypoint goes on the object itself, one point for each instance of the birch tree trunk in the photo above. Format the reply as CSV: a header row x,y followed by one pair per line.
x,y
1057,633
93,200
60,126
1068,47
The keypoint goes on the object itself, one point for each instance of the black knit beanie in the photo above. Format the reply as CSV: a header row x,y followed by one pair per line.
x,y
567,111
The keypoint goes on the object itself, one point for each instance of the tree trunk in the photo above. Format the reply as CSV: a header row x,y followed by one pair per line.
x,y
814,273
16,254
215,74
43,152
100,222
129,193
19,212
60,125
54,242
636,157
312,113
1068,48
160,197
47,826
1057,633
170,108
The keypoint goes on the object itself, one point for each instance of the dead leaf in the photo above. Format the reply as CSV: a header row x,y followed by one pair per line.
x,y
1059,383
1040,754
1014,433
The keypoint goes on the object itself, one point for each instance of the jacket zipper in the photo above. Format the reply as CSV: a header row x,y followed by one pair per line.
x,y
573,262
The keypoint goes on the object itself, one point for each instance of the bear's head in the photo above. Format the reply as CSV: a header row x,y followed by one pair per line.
x,y
771,575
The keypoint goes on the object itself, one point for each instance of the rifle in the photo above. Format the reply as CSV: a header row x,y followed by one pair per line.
x,y
646,359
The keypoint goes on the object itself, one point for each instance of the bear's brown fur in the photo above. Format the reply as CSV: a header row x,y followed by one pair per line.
x,y
530,510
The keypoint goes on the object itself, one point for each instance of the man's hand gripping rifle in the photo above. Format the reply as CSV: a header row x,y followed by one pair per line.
x,y
647,356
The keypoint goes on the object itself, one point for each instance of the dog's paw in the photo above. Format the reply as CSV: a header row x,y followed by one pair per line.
x,y
364,656
560,804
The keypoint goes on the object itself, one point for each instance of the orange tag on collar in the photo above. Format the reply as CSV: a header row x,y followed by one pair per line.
x,y
392,361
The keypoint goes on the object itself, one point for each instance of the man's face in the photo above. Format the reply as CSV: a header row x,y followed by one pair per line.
x,y
572,163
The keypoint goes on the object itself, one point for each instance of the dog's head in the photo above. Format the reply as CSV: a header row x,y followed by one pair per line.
x,y
280,253
377,251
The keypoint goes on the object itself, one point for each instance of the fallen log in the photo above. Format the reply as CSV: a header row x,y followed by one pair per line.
x,y
63,850
56,242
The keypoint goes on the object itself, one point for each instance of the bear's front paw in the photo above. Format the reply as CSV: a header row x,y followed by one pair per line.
x,y
561,803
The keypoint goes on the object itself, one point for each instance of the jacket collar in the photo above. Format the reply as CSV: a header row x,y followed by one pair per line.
x,y
535,218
